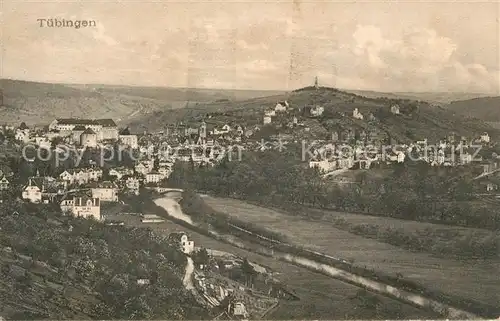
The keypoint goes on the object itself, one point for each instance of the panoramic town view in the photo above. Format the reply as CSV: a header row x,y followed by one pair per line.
x,y
249,160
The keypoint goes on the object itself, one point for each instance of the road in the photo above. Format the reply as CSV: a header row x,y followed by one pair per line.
x,y
188,276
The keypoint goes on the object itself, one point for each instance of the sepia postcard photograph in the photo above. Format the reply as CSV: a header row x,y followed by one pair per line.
x,y
249,160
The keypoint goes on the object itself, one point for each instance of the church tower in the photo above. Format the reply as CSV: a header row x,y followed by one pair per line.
x,y
203,130
316,84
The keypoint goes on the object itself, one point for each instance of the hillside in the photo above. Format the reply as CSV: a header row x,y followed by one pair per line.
x,y
39,103
436,98
180,94
484,108
59,267
417,121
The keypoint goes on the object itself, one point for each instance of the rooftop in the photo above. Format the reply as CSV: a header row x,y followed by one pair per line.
x,y
77,121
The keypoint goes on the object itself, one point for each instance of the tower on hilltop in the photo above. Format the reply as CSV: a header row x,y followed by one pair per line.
x,y
316,85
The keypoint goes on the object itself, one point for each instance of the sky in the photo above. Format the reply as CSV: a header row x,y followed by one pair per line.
x,y
391,46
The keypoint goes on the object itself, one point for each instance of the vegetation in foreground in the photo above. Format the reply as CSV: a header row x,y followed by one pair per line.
x,y
61,267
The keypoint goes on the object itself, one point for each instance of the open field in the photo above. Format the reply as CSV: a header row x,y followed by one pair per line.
x,y
321,296
469,279
398,223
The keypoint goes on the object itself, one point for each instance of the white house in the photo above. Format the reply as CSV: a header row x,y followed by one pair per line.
x,y
182,241
237,309
119,172
22,135
267,120
395,109
485,138
129,140
4,183
222,130
324,165
154,177
144,167
356,114
105,191
317,111
401,156
82,206
281,106
32,192
165,171
81,175
133,184
270,113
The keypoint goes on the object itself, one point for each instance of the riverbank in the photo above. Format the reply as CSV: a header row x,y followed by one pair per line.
x,y
378,260
322,297
330,266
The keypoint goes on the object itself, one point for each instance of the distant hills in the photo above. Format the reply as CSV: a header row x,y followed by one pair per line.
x,y
150,108
39,103
426,120
484,108
431,97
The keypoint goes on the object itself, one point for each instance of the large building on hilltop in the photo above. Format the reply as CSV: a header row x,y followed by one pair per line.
x,y
104,128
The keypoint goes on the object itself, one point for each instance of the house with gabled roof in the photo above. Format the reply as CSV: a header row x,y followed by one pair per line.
x,y
4,183
32,192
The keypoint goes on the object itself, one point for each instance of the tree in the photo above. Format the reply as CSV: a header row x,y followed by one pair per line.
x,y
248,271
201,257
5,269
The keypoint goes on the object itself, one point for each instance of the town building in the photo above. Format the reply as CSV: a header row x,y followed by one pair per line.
x,y
395,109
144,167
128,139
81,175
317,111
270,113
237,309
4,183
324,166
225,129
119,172
22,135
182,241
88,138
154,177
82,206
32,192
105,191
76,133
133,184
356,114
281,106
106,129
485,138
267,120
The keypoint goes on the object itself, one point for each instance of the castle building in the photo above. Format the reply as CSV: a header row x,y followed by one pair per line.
x,y
88,138
105,129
